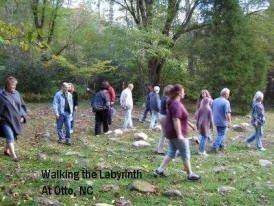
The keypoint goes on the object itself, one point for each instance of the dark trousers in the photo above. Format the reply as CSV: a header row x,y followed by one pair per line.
x,y
101,117
145,113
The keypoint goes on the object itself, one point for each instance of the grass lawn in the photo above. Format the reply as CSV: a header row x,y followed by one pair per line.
x,y
21,183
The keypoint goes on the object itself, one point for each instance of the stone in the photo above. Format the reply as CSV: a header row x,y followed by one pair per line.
x,y
140,136
245,124
118,132
107,188
225,189
102,204
108,132
173,193
239,128
142,186
265,163
219,169
42,156
140,144
48,202
123,202
74,153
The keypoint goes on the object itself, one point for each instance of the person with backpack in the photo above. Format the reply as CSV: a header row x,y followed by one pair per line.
x,y
126,103
63,109
155,106
13,114
100,105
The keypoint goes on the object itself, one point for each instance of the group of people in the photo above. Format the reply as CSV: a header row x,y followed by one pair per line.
x,y
168,110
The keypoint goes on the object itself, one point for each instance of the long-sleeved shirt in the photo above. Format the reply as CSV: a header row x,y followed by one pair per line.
x,y
59,102
126,100
155,102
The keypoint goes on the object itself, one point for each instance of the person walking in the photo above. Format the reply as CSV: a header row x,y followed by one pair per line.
x,y
257,120
126,103
204,94
112,98
222,118
72,90
204,124
63,109
13,114
155,106
100,105
176,129
162,119
147,104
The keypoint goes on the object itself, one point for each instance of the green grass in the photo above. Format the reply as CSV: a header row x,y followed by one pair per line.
x,y
242,167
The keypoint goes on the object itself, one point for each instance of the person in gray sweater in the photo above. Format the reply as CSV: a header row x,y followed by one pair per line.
x,y
155,106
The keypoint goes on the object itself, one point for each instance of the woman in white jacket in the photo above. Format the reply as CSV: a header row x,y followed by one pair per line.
x,y
126,102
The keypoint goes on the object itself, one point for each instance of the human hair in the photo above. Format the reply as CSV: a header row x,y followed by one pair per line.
x,y
175,91
224,91
167,89
259,96
104,85
10,80
206,92
130,86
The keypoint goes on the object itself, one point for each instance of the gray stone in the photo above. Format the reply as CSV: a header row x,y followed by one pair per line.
x,y
142,186
140,144
225,189
140,136
123,202
239,128
42,156
48,202
265,163
173,193
118,132
74,153
109,187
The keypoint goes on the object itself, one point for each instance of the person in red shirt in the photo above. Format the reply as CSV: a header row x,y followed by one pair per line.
x,y
112,97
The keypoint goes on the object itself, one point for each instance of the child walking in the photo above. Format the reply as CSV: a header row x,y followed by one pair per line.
x,y
204,124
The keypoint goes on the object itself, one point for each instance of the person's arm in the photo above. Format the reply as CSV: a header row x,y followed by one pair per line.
x,y
75,100
55,106
177,127
191,125
228,113
23,110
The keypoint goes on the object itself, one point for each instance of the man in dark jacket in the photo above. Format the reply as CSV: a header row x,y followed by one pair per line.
x,y
147,107
12,115
100,105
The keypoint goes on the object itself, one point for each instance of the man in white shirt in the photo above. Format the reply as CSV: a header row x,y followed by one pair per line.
x,y
126,102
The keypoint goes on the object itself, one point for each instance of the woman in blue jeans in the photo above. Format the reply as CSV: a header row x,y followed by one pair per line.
x,y
176,127
258,120
12,115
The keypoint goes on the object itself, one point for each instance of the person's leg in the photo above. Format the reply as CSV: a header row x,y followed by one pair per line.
x,y
259,135
224,131
145,114
59,126
105,120
67,127
153,119
160,146
219,138
202,144
130,124
98,122
168,157
126,119
252,137
9,135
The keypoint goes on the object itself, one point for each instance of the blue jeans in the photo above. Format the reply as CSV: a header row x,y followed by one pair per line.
x,y
64,119
8,133
179,144
258,134
221,135
202,145
154,119
127,119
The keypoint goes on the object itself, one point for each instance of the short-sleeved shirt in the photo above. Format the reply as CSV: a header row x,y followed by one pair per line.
x,y
220,108
175,109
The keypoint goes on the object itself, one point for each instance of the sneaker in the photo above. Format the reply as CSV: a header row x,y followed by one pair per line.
x,y
68,142
60,141
193,177
248,145
203,153
159,174
262,149
71,131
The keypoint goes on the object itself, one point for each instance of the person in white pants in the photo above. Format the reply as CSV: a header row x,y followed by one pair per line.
x,y
126,103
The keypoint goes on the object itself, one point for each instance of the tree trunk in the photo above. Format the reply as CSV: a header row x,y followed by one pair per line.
x,y
155,66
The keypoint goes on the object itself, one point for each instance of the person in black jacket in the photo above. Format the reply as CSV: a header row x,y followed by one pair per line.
x,y
147,106
13,113
75,104
100,105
